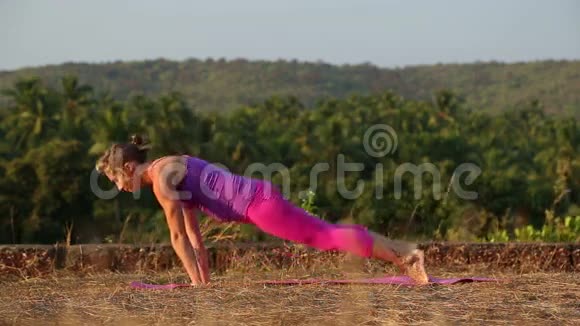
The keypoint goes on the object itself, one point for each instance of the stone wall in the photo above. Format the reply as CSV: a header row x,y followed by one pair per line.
x,y
36,260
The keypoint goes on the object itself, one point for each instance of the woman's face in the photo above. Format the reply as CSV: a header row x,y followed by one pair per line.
x,y
123,178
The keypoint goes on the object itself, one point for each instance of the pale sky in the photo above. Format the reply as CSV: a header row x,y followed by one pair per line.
x,y
386,33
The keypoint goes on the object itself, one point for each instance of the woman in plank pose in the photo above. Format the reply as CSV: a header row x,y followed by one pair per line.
x,y
185,184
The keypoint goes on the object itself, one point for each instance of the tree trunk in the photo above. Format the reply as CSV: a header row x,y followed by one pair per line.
x,y
118,209
12,224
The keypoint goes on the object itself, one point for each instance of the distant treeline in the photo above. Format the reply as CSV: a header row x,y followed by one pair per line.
x,y
51,136
220,85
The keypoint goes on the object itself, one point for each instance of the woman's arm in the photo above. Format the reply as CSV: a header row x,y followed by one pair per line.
x,y
165,175
181,243
196,240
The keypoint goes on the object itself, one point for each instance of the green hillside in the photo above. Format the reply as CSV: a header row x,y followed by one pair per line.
x,y
223,85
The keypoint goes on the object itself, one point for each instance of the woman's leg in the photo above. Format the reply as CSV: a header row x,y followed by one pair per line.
x,y
281,218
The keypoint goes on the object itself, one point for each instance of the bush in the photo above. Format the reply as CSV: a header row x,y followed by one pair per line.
x,y
555,230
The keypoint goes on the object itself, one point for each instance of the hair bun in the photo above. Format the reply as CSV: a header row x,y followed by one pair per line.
x,y
137,140
140,142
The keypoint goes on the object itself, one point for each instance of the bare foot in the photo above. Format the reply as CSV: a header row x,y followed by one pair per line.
x,y
415,267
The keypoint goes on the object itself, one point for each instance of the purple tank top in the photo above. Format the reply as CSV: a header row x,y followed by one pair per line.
x,y
218,192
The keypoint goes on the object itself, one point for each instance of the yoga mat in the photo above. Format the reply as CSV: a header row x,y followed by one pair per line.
x,y
395,280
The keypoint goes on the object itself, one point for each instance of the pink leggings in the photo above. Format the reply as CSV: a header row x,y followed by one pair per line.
x,y
279,217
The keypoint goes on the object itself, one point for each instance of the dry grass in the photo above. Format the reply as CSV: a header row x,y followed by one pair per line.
x,y
234,298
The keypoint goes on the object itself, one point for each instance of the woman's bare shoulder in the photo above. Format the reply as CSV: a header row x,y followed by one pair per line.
x,y
169,159
169,170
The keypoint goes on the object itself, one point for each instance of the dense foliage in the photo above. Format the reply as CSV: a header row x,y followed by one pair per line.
x,y
51,136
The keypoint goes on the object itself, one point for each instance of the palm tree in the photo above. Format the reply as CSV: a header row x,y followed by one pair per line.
x,y
74,114
110,124
170,124
32,115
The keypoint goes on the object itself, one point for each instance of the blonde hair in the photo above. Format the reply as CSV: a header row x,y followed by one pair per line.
x,y
118,154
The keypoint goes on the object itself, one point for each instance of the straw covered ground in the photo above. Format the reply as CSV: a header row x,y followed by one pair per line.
x,y
234,298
